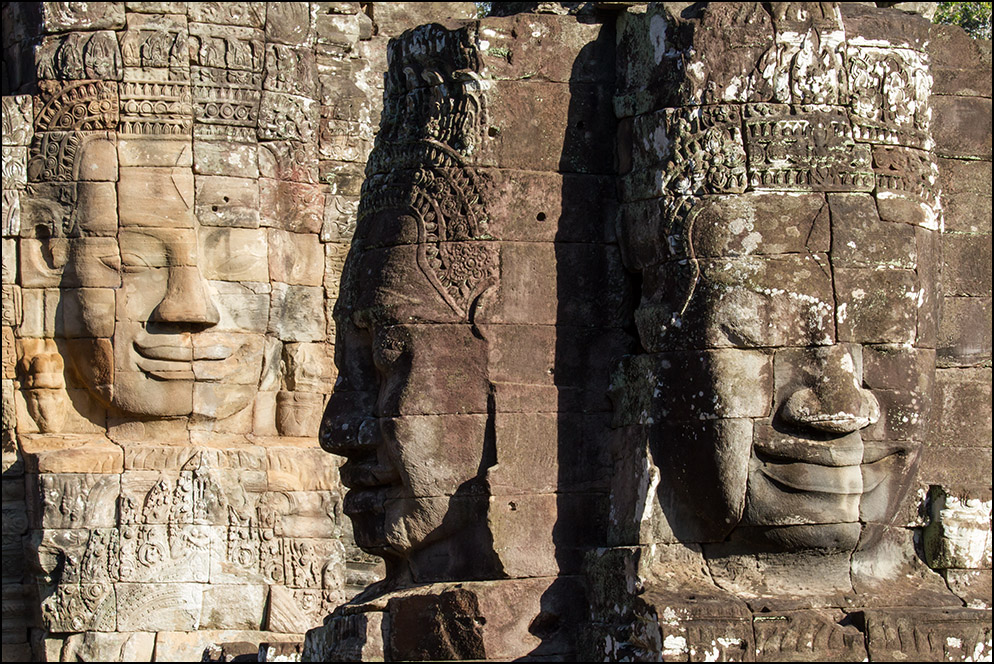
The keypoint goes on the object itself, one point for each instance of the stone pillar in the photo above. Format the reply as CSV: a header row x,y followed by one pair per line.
x,y
180,183
481,313
782,179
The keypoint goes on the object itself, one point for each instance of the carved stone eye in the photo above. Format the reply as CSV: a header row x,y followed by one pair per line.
x,y
390,347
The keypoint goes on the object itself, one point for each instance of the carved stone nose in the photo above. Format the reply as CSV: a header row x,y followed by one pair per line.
x,y
345,429
186,299
834,402
807,408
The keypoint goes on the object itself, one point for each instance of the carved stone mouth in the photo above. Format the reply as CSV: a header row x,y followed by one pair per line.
x,y
170,361
371,476
882,462
837,452
364,500
812,477
164,352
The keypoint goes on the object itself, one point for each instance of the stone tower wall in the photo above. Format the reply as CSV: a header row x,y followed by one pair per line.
x,y
127,535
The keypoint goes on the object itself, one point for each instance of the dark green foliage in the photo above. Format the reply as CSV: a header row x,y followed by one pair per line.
x,y
974,17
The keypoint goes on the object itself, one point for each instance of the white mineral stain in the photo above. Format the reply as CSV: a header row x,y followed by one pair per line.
x,y
674,645
967,532
657,35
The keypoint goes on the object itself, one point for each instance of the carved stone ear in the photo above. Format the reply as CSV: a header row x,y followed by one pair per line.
x,y
57,253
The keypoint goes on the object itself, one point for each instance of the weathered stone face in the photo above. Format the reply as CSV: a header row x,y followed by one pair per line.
x,y
481,309
180,184
410,409
788,258
165,335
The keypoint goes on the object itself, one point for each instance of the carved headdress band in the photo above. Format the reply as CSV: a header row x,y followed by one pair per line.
x,y
432,121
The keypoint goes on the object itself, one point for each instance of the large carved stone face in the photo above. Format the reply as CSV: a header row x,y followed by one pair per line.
x,y
409,411
152,337
788,312
805,329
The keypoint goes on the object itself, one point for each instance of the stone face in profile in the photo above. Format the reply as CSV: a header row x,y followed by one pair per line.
x,y
476,328
410,410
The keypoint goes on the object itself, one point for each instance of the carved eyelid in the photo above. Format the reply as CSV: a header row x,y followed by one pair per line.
x,y
133,262
112,261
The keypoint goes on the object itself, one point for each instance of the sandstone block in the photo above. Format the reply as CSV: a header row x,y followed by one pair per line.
x,y
150,196
290,610
295,258
39,308
297,312
10,216
109,647
964,332
79,607
73,500
225,157
288,161
287,117
873,305
227,201
97,208
39,268
959,413
15,164
964,257
89,312
71,454
391,20
166,606
79,55
965,129
233,607
235,254
242,306
529,128
94,262
292,206
866,241
750,301
949,634
289,23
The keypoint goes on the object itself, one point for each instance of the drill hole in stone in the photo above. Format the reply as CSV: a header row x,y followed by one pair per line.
x,y
540,216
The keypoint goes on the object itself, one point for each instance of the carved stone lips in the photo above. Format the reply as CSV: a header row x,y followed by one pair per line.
x,y
171,361
844,451
368,475
165,361
812,477
845,465
164,352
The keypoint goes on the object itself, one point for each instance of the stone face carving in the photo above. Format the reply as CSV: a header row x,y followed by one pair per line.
x,y
165,321
776,418
460,409
789,462
422,186
808,451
